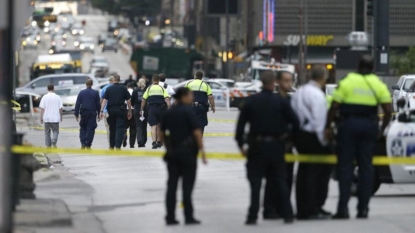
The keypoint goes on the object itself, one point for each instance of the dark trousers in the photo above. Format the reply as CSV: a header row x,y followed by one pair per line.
x,y
116,121
131,125
271,197
184,167
141,127
356,141
201,116
266,160
88,124
312,179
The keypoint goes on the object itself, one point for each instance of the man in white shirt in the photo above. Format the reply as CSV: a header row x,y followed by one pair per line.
x,y
51,115
310,105
166,86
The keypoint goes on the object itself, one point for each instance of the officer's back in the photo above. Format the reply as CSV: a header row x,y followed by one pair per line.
x,y
267,113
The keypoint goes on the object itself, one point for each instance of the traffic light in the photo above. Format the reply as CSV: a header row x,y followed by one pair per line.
x,y
369,7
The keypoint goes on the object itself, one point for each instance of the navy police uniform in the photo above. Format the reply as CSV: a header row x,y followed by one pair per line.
x,y
268,116
359,96
87,106
178,125
201,91
155,96
116,95
136,99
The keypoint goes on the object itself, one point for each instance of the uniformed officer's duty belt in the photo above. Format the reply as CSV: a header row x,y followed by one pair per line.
x,y
197,104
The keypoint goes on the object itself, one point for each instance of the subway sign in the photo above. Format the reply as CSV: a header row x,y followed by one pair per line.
x,y
312,40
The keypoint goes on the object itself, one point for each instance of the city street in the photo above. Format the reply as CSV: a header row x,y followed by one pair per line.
x,y
126,194
122,194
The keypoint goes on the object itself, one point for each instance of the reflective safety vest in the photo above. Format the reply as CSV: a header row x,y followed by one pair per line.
x,y
201,90
359,95
155,94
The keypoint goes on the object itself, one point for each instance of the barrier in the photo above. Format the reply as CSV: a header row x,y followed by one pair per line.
x,y
326,159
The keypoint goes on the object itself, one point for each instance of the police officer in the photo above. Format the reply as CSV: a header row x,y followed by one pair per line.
x,y
267,115
357,98
183,140
271,205
158,100
87,106
116,96
202,97
140,120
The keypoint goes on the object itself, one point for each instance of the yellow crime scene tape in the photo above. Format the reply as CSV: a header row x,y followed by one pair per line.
x,y
325,159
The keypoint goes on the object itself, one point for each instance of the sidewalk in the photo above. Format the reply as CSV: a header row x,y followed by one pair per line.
x,y
48,214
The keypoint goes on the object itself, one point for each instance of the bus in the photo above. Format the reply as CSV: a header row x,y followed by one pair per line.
x,y
52,64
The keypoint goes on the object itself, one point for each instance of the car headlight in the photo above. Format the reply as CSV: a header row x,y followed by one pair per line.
x,y
50,51
28,39
74,32
56,29
38,38
81,32
24,43
64,36
46,23
76,43
91,46
34,23
82,46
53,42
46,30
63,43
35,42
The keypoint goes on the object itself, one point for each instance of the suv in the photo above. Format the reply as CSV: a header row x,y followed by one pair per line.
x,y
39,85
401,88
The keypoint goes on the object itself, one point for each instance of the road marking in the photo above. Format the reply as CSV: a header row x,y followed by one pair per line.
x,y
326,159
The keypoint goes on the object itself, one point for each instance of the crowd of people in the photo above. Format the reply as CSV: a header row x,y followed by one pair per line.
x,y
278,124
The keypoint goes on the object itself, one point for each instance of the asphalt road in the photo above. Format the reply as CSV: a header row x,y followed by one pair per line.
x,y
126,194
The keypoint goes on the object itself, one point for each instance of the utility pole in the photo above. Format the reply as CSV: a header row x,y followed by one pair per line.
x,y
226,65
205,35
6,84
381,36
301,75
250,26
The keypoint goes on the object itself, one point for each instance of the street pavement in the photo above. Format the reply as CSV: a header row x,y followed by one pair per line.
x,y
126,194
121,194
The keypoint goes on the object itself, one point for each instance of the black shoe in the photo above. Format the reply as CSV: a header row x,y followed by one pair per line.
x,y
141,145
154,145
131,146
172,222
325,213
288,220
124,143
193,222
82,147
341,215
363,214
250,222
87,148
272,216
159,144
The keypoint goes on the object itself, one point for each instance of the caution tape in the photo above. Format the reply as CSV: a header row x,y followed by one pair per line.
x,y
324,159
74,130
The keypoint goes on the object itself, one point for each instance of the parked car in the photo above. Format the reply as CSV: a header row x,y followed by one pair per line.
x,y
69,96
100,63
401,88
39,85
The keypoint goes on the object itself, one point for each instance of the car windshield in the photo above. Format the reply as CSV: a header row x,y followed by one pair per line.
x,y
99,60
110,42
68,92
408,83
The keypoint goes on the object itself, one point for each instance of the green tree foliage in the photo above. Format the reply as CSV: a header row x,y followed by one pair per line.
x,y
403,64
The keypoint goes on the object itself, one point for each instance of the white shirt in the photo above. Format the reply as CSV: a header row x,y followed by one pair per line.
x,y
310,104
169,89
131,93
52,104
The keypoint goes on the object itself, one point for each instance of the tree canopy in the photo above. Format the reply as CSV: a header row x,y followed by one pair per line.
x,y
403,64
136,8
